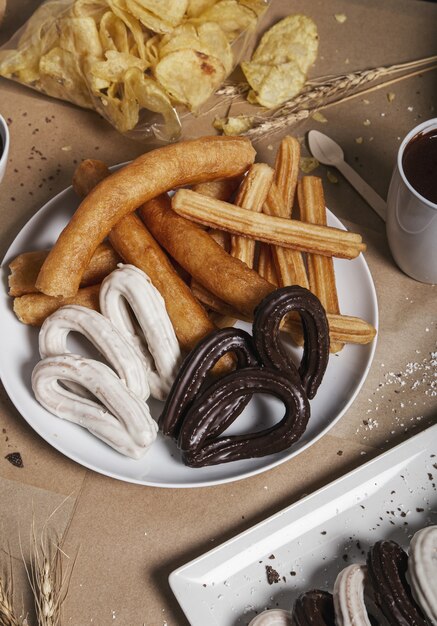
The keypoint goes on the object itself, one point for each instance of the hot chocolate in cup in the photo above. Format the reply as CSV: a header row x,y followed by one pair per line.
x,y
4,146
412,204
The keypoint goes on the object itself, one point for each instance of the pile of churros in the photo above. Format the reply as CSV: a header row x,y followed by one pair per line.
x,y
222,243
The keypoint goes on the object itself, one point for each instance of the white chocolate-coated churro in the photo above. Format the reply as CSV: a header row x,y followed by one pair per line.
x,y
272,617
123,358
160,353
422,570
123,422
350,609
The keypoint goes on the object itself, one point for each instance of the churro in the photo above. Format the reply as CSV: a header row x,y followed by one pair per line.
x,y
286,171
125,425
342,328
88,174
136,246
251,196
123,358
275,230
157,346
206,261
25,269
320,268
115,197
266,267
34,308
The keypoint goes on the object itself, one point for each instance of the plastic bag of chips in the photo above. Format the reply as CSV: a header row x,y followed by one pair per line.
x,y
139,63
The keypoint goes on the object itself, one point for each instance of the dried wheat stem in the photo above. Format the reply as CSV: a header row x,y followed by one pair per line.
x,y
7,617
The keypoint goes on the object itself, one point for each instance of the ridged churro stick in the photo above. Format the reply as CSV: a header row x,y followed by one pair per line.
x,y
136,245
320,268
342,328
274,230
287,171
203,258
266,267
33,308
251,196
25,269
155,172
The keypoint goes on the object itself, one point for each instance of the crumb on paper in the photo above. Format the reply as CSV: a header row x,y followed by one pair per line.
x,y
66,148
367,122
308,164
340,17
391,96
410,109
358,140
270,147
331,177
319,117
15,459
365,101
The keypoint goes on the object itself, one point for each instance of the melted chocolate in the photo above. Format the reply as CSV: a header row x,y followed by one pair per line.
x,y
209,413
419,163
192,376
268,316
314,608
387,566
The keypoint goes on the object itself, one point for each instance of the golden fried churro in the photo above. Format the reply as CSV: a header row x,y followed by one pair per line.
x,y
320,268
274,230
220,189
33,308
25,268
266,266
87,175
155,172
286,172
136,245
206,261
251,196
342,328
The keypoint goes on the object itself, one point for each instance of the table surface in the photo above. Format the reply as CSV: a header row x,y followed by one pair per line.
x,y
128,538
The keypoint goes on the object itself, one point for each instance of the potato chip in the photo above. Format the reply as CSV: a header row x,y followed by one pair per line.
x,y
208,38
190,77
273,84
277,70
21,65
116,66
79,35
60,76
294,38
234,125
196,7
90,8
138,35
231,16
258,6
113,33
169,13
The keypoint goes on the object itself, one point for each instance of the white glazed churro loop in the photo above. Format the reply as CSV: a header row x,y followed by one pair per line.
x,y
350,609
122,420
160,352
103,335
272,617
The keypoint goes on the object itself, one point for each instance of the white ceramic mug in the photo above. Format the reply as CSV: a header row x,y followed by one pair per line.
x,y
412,220
4,134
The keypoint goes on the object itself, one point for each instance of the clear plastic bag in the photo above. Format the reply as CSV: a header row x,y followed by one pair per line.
x,y
139,63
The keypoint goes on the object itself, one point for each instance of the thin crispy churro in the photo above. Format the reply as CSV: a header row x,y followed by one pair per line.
x,y
275,230
286,172
320,268
251,196
206,261
115,197
342,328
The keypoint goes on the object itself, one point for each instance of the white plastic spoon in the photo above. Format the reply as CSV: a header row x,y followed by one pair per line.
x,y
326,151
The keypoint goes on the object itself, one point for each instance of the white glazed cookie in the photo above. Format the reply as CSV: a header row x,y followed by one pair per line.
x,y
122,420
103,335
422,570
350,609
160,351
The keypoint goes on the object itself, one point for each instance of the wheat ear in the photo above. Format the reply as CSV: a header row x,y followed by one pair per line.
x,y
7,616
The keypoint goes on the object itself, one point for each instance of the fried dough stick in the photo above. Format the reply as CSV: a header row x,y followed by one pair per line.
x,y
320,268
153,173
135,245
25,269
228,278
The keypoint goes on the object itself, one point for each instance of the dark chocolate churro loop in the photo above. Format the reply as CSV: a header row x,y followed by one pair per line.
x,y
387,565
314,608
207,413
195,368
268,316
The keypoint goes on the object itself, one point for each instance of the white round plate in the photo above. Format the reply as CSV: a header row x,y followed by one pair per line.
x,y
162,465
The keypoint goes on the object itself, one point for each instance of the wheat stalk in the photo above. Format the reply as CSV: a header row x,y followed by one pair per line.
x,y
7,616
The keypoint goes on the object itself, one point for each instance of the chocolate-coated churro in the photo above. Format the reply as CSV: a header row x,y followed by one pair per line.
x,y
115,197
275,230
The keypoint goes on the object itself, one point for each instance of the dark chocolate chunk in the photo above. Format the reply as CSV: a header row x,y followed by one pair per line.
x,y
15,459
272,575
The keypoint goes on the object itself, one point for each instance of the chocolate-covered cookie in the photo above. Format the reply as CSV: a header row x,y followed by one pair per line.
x,y
211,412
387,566
192,376
267,318
314,608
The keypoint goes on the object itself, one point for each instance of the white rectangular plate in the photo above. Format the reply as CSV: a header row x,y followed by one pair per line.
x,y
308,543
